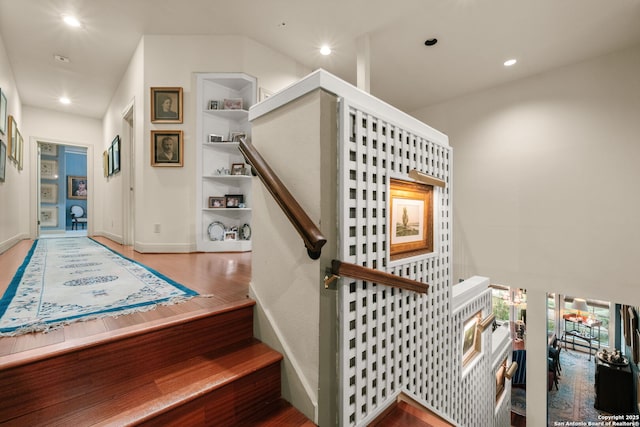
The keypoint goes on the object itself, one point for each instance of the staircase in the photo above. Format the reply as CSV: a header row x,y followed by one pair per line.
x,y
195,369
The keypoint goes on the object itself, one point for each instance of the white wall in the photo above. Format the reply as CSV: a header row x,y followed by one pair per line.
x,y
14,207
545,195
68,129
166,196
129,94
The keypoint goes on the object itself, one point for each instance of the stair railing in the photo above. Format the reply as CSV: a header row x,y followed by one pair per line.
x,y
340,268
307,229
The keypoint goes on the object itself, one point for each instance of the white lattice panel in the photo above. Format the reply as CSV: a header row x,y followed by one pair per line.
x,y
502,411
391,340
474,388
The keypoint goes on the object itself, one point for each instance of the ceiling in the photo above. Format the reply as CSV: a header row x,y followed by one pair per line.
x,y
475,38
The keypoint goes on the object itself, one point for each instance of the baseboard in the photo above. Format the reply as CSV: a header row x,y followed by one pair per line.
x,y
116,238
9,243
164,247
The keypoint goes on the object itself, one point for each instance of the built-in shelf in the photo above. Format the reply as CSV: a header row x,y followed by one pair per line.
x,y
216,159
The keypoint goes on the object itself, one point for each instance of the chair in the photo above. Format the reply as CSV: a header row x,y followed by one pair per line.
x,y
77,217
519,379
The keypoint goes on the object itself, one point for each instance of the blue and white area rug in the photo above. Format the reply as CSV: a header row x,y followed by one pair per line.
x,y
69,279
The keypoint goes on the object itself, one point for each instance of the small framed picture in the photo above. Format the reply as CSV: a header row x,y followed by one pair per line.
x,y
236,136
214,104
216,202
105,163
233,200
48,169
167,147
166,105
116,154
49,216
3,112
48,149
76,187
232,104
215,138
230,235
48,193
237,169
3,161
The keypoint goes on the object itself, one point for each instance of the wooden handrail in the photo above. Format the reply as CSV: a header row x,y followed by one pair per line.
x,y
340,268
307,229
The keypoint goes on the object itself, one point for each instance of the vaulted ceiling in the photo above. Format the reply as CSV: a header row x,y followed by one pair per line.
x,y
474,37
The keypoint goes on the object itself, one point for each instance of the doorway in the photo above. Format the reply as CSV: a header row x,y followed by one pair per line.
x,y
63,190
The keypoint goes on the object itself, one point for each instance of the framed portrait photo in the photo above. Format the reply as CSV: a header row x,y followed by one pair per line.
x,y
411,219
76,187
233,200
166,105
237,169
167,148
216,202
232,104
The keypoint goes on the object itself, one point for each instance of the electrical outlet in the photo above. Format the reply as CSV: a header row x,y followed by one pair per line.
x,y
156,228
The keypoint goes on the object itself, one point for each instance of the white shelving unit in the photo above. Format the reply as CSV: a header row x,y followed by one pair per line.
x,y
215,159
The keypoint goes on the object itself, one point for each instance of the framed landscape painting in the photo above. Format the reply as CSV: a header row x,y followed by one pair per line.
x,y
411,219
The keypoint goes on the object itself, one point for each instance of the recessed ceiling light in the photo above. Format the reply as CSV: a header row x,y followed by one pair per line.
x,y
71,20
61,58
64,100
510,62
325,50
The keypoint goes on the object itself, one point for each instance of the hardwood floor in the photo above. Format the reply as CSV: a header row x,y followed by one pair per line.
x,y
222,279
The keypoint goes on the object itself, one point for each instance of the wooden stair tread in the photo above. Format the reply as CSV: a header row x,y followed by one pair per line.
x,y
79,344
280,413
158,391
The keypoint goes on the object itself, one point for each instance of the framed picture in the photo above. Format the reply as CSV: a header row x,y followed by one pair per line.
x,y
3,112
3,161
116,154
12,138
237,169
411,219
233,200
19,149
49,216
110,159
232,104
216,202
48,149
166,105
76,187
48,169
230,235
214,105
105,163
48,193
215,138
235,136
471,342
167,148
